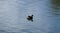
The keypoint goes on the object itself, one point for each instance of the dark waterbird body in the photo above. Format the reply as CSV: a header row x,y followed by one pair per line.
x,y
30,18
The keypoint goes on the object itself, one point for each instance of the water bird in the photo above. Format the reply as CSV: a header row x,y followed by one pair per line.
x,y
30,18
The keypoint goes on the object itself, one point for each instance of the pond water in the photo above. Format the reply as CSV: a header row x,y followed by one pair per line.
x,y
13,14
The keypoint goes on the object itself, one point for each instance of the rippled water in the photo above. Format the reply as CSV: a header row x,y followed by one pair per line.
x,y
13,14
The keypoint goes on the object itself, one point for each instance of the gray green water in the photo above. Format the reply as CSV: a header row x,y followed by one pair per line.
x,y
13,14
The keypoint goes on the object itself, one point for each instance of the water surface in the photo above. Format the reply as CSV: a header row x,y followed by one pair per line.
x,y
13,14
